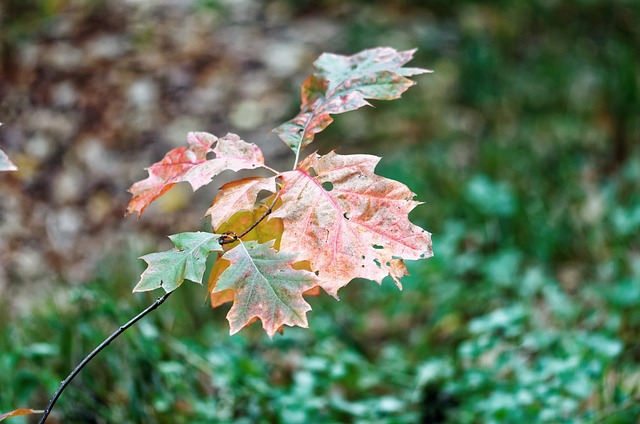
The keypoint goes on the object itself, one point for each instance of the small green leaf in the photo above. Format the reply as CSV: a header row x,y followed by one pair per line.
x,y
265,286
186,261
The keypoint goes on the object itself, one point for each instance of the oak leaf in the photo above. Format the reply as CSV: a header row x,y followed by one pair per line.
x,y
186,261
190,164
345,83
263,285
330,220
348,222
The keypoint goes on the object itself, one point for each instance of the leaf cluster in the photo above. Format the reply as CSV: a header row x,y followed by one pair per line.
x,y
325,222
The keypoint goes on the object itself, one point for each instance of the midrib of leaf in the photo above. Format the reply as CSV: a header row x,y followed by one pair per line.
x,y
201,244
275,294
336,207
323,101
341,212
363,85
304,132
313,180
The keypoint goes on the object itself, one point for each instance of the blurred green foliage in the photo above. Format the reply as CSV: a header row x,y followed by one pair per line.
x,y
525,146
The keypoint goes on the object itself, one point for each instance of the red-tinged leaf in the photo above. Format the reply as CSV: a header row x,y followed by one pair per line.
x,y
265,286
188,260
21,411
237,196
232,153
344,83
348,222
190,164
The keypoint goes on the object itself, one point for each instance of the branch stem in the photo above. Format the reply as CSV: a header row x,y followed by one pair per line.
x,y
231,237
295,163
267,212
97,350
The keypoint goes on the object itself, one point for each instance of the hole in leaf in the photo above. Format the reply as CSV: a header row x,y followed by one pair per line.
x,y
364,257
345,216
388,263
377,263
262,196
328,186
313,172
377,246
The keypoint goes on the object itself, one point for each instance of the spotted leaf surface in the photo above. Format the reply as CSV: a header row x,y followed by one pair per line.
x,y
237,196
344,83
187,261
263,285
348,222
191,164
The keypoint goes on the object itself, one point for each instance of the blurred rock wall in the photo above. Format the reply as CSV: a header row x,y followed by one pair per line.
x,y
91,92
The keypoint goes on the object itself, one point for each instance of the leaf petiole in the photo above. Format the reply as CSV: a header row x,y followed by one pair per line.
x,y
295,163
230,236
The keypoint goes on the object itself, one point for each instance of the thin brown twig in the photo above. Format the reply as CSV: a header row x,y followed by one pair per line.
x,y
97,350
230,236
